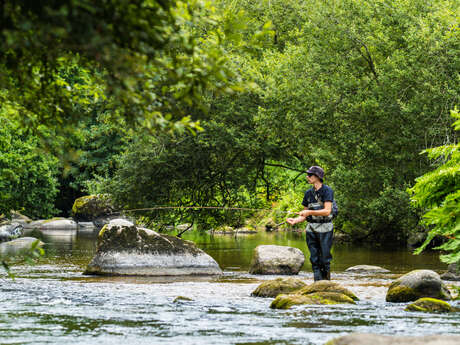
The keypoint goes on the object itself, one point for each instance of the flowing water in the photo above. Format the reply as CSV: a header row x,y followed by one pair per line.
x,y
53,303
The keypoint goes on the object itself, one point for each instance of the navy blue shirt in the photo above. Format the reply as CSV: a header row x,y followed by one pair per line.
x,y
315,199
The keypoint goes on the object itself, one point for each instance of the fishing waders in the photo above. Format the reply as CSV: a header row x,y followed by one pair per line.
x,y
319,244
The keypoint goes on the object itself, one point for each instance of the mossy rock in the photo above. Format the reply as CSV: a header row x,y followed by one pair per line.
x,y
273,288
182,299
90,207
417,284
131,238
399,293
430,305
319,298
133,251
327,286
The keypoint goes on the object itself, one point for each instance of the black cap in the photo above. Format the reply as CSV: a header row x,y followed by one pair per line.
x,y
318,171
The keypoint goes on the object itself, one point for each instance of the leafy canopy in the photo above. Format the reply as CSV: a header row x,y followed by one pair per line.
x,y
143,55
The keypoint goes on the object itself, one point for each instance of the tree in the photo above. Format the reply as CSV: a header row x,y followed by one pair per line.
x,y
142,55
438,192
362,90
28,175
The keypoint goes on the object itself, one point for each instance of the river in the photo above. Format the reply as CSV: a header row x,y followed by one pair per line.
x,y
53,303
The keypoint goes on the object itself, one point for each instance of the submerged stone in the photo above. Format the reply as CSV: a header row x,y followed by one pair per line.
x,y
366,269
417,284
430,305
182,299
130,250
273,288
271,259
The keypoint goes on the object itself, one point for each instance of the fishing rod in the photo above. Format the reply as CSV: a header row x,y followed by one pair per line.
x,y
206,207
198,207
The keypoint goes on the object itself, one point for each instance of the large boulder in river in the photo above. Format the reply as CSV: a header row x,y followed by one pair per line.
x,y
271,259
377,339
273,288
91,207
417,284
18,246
10,231
124,249
453,273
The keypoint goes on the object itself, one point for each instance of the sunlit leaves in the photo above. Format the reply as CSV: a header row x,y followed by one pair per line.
x,y
439,193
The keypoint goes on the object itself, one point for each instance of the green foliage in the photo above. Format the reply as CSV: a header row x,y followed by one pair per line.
x,y
27,174
358,87
95,144
144,57
438,192
189,170
360,91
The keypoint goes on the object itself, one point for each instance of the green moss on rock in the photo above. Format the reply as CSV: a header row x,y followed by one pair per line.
x,y
430,305
286,301
417,284
182,299
273,288
327,286
89,207
331,298
401,293
323,298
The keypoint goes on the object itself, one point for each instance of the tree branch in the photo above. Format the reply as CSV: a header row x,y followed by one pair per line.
x,y
284,167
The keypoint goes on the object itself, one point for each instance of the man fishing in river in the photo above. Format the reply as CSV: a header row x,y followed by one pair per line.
x,y
317,203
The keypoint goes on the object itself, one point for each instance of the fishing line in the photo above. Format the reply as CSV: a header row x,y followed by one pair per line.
x,y
199,207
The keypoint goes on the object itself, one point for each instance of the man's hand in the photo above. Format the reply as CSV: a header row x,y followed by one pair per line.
x,y
293,221
304,213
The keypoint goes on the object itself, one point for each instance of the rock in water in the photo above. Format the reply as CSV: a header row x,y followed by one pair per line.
x,y
53,224
366,269
287,301
18,246
273,288
327,286
430,305
321,292
11,231
417,284
377,339
90,207
453,273
133,251
271,259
